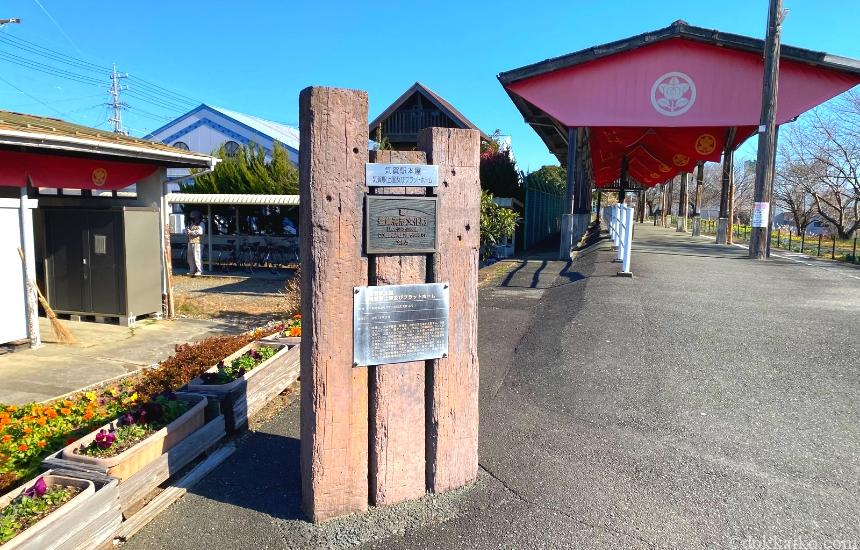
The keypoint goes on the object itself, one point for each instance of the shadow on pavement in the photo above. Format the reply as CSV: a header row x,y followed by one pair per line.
x,y
263,465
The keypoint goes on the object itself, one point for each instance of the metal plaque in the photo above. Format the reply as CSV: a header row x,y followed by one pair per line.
x,y
378,174
400,224
399,323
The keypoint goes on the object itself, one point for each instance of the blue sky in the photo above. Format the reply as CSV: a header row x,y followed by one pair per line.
x,y
256,56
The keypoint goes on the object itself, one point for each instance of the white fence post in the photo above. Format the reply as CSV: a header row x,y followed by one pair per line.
x,y
627,238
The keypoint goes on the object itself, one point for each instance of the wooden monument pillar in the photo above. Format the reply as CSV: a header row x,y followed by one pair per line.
x,y
382,433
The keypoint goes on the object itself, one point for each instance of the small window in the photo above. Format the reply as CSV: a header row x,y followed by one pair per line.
x,y
181,145
231,148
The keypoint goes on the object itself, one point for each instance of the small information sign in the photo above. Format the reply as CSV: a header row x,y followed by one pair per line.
x,y
399,323
400,224
379,174
761,214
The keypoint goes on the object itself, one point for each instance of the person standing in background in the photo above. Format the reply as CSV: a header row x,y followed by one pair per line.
x,y
194,231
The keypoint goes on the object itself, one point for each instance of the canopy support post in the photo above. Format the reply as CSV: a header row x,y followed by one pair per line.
x,y
683,203
28,267
669,197
567,228
726,188
622,183
209,235
697,199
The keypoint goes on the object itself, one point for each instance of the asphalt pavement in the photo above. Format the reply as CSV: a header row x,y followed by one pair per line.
x,y
708,402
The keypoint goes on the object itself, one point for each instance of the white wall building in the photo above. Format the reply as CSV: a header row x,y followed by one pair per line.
x,y
206,128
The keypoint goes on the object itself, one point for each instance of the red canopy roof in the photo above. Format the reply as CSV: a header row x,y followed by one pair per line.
x,y
666,100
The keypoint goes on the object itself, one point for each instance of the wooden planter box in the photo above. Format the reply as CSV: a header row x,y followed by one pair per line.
x,y
131,461
136,488
286,340
245,396
87,521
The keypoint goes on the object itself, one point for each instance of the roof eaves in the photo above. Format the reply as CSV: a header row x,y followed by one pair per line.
x,y
69,144
175,120
436,99
678,29
227,114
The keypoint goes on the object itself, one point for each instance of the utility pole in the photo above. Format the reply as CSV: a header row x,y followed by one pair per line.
x,y
117,105
766,136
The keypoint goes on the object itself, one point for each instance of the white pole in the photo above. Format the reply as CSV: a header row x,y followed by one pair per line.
x,y
628,238
29,268
622,230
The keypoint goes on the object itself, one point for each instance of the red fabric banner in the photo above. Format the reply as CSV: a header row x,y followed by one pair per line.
x,y
57,171
656,155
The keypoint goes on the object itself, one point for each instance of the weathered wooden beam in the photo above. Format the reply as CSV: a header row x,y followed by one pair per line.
x,y
334,426
452,382
397,410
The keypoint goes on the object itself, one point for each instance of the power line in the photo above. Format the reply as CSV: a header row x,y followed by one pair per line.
x,y
36,99
147,86
48,69
34,48
57,24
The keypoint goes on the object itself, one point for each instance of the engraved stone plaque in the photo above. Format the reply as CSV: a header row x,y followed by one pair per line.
x,y
399,323
378,174
400,224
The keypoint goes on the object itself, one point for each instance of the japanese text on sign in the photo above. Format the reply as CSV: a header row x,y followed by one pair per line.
x,y
400,323
405,175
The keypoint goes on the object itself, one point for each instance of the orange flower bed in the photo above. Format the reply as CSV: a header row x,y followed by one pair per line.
x,y
29,433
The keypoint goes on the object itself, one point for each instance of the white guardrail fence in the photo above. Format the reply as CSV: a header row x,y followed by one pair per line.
x,y
620,220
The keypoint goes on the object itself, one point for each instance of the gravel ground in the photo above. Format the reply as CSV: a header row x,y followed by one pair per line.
x,y
244,301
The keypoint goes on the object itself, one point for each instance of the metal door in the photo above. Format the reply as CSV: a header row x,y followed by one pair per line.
x,y
104,253
67,270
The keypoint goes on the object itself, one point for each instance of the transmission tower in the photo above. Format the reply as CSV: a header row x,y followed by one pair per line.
x,y
116,104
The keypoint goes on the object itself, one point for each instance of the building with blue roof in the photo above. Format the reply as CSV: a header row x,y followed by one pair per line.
x,y
207,128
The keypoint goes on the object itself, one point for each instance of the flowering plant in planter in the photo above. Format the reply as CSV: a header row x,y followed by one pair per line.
x,y
237,368
32,505
135,426
30,432
292,328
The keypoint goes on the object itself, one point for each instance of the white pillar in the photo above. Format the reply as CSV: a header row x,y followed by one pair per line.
x,y
29,267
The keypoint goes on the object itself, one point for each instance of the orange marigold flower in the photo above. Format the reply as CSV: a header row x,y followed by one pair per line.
x,y
27,429
41,421
22,447
4,415
41,444
68,403
88,415
51,413
65,412
6,438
